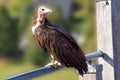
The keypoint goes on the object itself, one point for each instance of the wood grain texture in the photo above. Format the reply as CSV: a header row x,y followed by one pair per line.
x,y
92,76
104,36
116,36
88,77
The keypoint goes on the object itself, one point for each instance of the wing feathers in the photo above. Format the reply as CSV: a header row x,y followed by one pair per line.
x,y
71,56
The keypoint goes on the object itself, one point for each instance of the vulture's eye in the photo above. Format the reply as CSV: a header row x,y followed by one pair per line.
x,y
43,9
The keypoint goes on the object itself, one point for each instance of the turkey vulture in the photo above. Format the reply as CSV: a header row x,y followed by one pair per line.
x,y
61,45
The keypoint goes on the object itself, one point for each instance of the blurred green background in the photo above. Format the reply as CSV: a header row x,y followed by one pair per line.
x,y
20,52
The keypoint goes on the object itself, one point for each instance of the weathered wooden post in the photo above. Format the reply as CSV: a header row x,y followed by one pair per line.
x,y
116,36
105,39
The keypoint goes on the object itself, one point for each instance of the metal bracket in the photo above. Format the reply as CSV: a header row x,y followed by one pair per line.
x,y
94,55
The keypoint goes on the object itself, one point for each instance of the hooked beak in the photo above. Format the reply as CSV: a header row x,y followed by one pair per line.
x,y
47,11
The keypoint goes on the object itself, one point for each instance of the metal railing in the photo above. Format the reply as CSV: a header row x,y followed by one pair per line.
x,y
45,70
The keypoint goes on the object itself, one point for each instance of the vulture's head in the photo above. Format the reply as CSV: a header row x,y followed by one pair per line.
x,y
42,12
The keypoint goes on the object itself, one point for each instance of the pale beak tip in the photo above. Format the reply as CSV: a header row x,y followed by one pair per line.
x,y
50,11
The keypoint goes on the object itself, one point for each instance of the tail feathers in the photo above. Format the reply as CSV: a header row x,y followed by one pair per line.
x,y
82,70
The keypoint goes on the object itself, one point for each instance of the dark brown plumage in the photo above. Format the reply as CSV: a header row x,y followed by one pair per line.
x,y
52,38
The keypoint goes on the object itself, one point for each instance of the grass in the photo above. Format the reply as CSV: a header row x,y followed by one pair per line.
x,y
8,68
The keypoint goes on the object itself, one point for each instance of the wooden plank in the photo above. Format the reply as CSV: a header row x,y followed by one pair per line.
x,y
116,36
91,76
104,36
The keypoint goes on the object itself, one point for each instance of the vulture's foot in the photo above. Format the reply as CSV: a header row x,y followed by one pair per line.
x,y
54,64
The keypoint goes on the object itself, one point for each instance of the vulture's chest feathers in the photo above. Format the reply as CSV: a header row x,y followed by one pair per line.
x,y
41,33
34,27
38,30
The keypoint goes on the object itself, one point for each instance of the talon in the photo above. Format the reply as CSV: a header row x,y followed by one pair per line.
x,y
54,64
